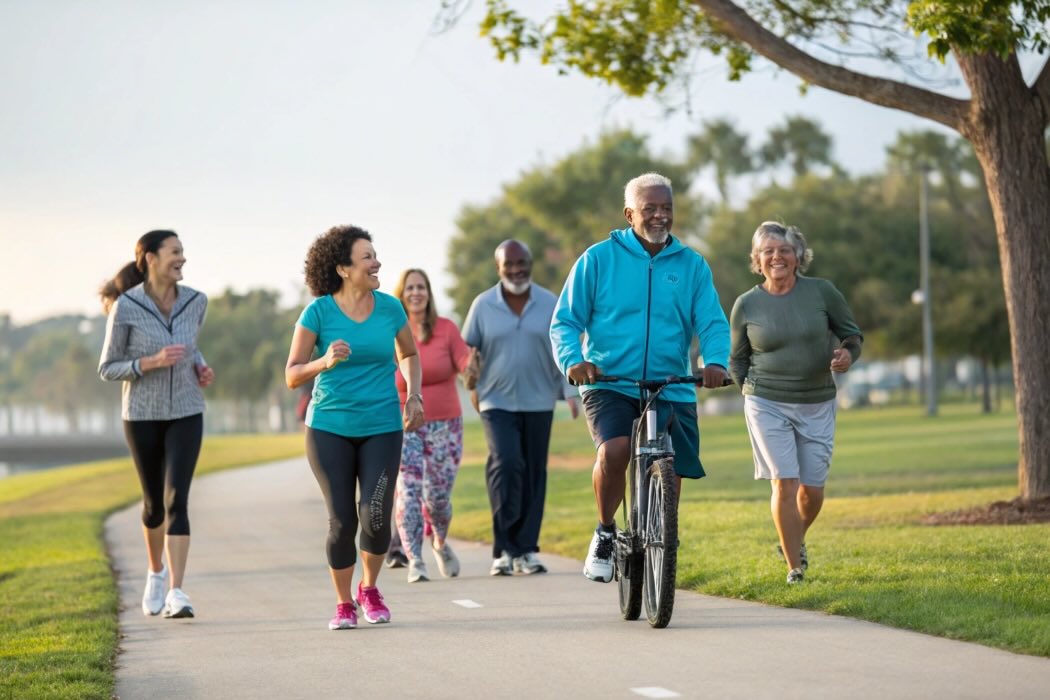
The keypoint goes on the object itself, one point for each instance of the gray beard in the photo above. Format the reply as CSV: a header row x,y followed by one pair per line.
x,y
516,288
653,239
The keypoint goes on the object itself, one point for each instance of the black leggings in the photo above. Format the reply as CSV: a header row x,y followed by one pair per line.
x,y
341,463
165,454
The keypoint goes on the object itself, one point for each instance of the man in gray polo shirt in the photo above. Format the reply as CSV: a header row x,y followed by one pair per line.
x,y
518,385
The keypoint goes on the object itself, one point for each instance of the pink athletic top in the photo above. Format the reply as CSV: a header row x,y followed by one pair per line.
x,y
442,358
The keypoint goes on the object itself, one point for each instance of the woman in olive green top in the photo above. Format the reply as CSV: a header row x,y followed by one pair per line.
x,y
789,334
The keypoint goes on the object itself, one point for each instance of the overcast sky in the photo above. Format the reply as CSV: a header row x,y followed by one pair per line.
x,y
251,127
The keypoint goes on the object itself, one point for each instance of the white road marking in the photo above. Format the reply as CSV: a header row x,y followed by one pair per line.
x,y
467,603
655,692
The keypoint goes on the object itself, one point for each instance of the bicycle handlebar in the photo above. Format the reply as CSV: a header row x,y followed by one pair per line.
x,y
653,384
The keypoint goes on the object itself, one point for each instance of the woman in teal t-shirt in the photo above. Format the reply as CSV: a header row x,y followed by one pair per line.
x,y
354,422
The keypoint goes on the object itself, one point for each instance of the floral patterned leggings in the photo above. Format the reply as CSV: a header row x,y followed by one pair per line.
x,y
429,462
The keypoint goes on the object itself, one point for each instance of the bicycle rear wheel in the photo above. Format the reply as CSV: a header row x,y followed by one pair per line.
x,y
660,539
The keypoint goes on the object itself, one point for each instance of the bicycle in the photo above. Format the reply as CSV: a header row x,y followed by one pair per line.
x,y
645,560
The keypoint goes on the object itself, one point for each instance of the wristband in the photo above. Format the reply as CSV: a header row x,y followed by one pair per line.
x,y
416,396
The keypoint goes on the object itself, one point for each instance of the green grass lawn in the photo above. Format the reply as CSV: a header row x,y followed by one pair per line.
x,y
871,556
58,599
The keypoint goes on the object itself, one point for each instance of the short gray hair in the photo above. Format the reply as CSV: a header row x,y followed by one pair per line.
x,y
630,192
781,232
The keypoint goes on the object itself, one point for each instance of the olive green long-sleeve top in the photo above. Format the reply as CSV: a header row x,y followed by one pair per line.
x,y
782,345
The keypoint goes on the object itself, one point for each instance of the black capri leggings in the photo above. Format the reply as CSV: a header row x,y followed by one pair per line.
x,y
341,463
165,454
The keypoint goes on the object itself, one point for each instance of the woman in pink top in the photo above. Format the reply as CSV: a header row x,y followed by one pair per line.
x,y
430,455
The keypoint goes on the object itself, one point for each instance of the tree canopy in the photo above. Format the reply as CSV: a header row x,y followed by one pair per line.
x,y
559,210
644,46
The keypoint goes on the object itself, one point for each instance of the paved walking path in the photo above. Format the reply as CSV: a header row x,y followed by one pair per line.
x,y
259,583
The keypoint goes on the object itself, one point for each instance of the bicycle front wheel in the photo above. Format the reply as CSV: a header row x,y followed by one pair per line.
x,y
660,539
629,565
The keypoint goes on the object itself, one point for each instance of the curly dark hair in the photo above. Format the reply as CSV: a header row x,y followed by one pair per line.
x,y
331,248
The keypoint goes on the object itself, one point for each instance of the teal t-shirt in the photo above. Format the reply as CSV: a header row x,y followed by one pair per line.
x,y
357,397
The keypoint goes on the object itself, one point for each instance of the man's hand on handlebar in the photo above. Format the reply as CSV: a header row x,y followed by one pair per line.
x,y
714,376
582,373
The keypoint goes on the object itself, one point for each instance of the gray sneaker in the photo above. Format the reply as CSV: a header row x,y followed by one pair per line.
x,y
502,566
417,571
796,576
529,563
447,561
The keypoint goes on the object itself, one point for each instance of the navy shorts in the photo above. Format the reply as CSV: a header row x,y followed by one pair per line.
x,y
610,414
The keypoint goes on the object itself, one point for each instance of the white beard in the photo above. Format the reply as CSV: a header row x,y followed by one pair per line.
x,y
656,238
516,288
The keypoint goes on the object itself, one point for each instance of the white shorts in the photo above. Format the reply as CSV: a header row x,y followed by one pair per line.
x,y
791,440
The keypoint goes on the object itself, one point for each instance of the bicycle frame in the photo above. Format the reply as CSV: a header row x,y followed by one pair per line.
x,y
646,549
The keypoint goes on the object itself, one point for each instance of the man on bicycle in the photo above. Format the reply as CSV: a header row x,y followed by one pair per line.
x,y
638,299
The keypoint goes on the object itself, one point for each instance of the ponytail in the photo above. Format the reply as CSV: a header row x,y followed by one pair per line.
x,y
126,278
136,271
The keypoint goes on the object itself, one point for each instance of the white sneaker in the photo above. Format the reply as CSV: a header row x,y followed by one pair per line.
x,y
153,596
447,561
529,564
502,566
177,604
599,564
417,571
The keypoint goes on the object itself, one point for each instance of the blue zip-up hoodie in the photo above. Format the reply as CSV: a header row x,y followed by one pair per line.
x,y
638,314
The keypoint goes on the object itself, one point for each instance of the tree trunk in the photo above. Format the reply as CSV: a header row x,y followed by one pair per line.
x,y
986,388
1006,126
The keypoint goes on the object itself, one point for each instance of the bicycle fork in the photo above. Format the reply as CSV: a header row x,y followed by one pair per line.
x,y
655,446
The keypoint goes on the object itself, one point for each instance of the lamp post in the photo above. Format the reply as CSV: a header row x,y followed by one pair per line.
x,y
924,288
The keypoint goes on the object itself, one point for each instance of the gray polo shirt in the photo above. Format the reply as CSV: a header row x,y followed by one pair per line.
x,y
518,372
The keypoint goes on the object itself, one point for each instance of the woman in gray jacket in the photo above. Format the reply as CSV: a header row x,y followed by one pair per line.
x,y
151,346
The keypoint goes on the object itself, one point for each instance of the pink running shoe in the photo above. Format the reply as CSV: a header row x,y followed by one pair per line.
x,y
345,617
372,605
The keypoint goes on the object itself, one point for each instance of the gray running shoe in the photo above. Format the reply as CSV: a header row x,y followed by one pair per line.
x,y
417,571
529,563
795,576
501,566
447,561
396,559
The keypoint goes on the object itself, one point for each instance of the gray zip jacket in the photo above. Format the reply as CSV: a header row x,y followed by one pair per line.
x,y
135,329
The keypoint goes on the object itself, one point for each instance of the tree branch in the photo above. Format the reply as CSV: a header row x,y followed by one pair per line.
x,y
1041,87
737,24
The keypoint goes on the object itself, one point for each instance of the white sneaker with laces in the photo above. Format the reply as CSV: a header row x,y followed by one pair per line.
x,y
529,563
177,604
153,595
502,566
417,571
599,564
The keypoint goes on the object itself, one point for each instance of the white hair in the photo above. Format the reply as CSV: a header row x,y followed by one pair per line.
x,y
630,192
781,232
